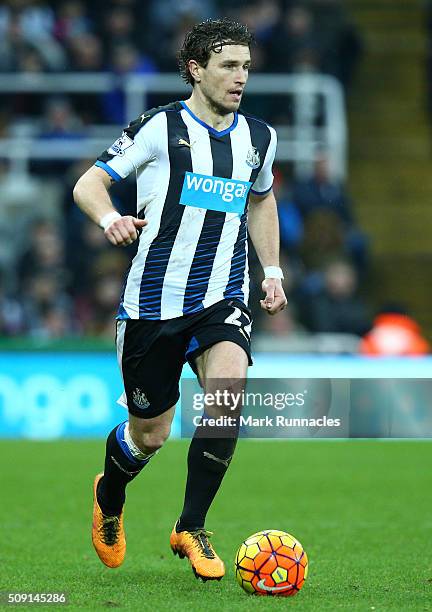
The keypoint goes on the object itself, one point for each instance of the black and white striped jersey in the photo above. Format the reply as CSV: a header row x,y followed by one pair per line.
x,y
193,185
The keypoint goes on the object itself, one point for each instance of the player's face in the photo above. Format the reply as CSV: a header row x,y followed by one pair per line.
x,y
224,78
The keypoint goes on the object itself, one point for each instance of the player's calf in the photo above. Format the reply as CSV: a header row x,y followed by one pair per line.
x,y
124,460
208,461
147,443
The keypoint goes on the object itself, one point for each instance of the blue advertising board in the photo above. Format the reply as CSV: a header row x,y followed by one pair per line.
x,y
72,394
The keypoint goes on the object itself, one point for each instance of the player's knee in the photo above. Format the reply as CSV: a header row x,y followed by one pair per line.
x,y
230,393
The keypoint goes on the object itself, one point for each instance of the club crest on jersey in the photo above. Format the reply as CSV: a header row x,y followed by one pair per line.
x,y
253,158
139,399
120,145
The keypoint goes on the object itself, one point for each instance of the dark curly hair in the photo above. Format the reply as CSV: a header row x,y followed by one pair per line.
x,y
207,36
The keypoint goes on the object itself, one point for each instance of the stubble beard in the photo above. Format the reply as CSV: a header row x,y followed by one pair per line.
x,y
219,108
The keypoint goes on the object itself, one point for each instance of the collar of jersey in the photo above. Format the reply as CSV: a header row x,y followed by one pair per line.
x,y
209,127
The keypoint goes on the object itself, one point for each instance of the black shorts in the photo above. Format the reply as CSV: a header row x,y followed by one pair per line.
x,y
151,354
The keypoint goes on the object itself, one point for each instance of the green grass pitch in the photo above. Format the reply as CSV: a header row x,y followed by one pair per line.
x,y
362,510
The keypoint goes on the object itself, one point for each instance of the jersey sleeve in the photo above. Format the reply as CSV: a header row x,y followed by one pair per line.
x,y
137,145
264,181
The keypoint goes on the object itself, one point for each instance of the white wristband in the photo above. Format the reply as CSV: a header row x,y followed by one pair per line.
x,y
109,218
273,272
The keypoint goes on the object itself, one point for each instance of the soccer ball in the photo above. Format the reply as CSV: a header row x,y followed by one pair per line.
x,y
271,562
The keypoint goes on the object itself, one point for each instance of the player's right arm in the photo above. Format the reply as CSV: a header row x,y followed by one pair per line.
x,y
91,194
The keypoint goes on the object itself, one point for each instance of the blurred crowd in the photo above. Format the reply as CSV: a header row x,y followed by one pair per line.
x,y
65,279
130,37
127,35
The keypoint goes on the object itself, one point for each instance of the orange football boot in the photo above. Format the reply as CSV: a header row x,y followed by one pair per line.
x,y
196,547
108,535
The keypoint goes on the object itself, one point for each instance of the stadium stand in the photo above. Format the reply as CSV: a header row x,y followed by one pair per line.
x,y
54,127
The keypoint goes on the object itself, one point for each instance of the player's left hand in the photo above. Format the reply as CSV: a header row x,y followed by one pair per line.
x,y
275,299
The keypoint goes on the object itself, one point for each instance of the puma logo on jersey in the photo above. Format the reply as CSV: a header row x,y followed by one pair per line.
x,y
144,116
185,143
